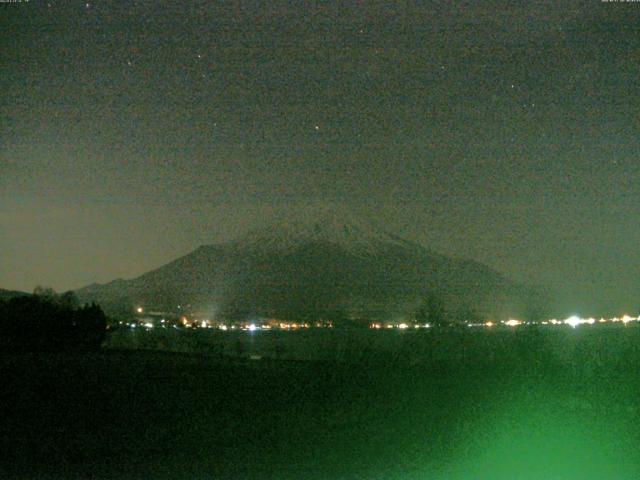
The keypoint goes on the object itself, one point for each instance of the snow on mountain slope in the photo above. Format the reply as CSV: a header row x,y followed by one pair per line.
x,y
341,230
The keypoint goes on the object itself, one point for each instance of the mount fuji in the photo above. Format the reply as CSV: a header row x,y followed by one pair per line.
x,y
312,268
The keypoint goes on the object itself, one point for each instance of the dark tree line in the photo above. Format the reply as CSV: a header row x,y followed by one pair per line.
x,y
48,321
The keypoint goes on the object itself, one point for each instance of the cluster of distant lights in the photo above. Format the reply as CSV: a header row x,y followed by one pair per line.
x,y
573,321
184,322
253,327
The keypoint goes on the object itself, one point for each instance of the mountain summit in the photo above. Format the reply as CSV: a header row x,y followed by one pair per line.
x,y
350,234
311,268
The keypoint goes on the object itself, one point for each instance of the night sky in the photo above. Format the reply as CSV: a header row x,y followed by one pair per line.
x,y
507,132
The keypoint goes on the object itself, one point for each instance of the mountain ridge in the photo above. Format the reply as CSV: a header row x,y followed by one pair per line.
x,y
314,268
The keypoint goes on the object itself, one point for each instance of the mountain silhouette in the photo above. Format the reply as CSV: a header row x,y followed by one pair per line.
x,y
314,268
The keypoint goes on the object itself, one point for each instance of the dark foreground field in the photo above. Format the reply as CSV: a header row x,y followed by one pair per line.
x,y
147,415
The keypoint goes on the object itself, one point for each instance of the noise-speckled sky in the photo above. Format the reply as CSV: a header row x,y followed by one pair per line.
x,y
507,132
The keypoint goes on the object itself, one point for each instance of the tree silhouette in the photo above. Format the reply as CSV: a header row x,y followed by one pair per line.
x,y
46,321
46,293
69,300
432,311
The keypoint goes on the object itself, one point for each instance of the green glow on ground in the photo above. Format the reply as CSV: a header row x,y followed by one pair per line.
x,y
548,437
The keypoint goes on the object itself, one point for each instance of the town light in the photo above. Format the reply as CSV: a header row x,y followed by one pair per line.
x,y
574,321
626,319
